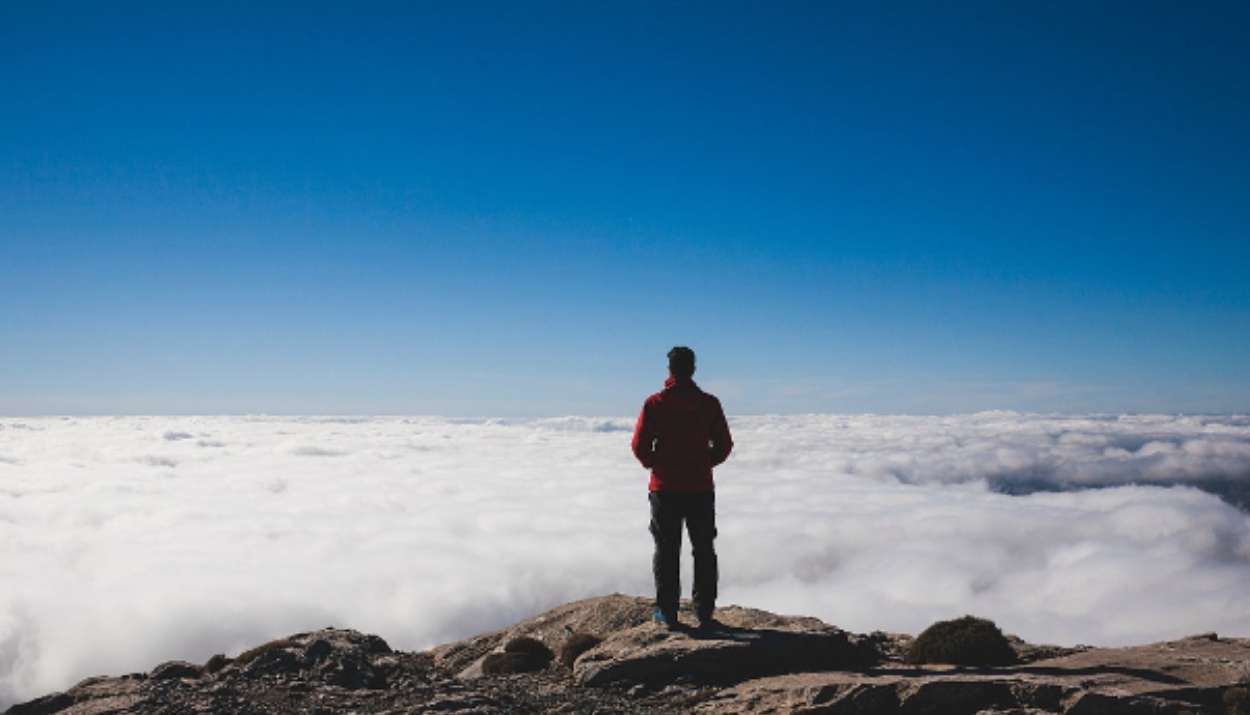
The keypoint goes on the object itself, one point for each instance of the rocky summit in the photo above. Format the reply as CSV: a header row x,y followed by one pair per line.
x,y
604,655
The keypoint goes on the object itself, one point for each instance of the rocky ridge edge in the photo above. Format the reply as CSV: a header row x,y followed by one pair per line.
x,y
603,655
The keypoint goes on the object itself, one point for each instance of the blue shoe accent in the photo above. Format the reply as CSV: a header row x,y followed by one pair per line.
x,y
668,620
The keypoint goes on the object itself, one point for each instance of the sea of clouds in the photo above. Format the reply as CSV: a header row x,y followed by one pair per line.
x,y
125,542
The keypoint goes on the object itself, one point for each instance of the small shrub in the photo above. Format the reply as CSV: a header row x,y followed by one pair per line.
x,y
963,641
529,646
520,655
248,656
577,644
217,663
505,663
176,670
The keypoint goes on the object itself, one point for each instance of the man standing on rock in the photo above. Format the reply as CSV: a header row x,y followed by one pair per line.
x,y
681,434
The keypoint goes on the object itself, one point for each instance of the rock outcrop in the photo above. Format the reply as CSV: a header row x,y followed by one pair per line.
x,y
603,655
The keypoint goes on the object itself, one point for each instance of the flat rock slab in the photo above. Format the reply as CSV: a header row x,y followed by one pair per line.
x,y
1190,675
747,644
1197,662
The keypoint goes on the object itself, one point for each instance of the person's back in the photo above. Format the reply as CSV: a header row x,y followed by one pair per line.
x,y
681,435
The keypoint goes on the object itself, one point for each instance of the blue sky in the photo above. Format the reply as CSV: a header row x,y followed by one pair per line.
x,y
515,209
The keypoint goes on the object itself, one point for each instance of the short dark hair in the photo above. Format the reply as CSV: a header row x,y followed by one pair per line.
x,y
681,361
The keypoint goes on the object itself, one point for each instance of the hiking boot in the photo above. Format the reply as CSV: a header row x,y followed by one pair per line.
x,y
667,620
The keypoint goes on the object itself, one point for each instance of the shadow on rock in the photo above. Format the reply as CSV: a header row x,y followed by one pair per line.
x,y
730,654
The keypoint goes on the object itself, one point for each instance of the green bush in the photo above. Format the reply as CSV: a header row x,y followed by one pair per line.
x,y
963,641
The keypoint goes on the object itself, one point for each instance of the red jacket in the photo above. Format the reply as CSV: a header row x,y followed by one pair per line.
x,y
681,434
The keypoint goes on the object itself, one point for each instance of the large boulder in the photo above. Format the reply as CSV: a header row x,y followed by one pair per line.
x,y
749,644
344,658
627,648
595,617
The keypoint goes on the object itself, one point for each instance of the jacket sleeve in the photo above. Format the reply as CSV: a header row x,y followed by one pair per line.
x,y
722,441
644,438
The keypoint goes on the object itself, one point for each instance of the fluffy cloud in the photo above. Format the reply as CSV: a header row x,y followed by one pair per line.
x,y
128,541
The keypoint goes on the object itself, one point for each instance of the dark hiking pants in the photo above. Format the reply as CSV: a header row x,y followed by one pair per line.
x,y
698,511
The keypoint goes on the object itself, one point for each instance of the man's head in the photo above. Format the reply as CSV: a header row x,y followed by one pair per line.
x,y
681,362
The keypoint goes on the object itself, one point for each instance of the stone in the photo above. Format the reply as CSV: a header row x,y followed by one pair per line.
x,y
748,644
758,663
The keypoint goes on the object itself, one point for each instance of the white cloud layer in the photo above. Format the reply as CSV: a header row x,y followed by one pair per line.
x,y
128,541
